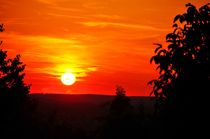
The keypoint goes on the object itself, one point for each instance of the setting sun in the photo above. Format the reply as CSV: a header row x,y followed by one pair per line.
x,y
68,79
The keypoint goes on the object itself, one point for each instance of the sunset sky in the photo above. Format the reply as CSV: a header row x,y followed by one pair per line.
x,y
104,43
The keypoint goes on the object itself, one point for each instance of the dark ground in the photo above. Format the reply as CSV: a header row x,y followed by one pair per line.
x,y
86,112
53,116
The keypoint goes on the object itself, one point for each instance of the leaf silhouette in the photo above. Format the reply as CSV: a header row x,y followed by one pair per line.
x,y
175,26
162,51
182,19
159,46
170,36
188,4
177,17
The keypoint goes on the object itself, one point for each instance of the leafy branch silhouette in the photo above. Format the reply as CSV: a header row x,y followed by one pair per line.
x,y
187,56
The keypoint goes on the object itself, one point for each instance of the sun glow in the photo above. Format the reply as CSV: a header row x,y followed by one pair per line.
x,y
68,79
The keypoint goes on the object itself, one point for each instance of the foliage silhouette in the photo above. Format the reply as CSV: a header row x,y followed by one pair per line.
x,y
184,66
13,92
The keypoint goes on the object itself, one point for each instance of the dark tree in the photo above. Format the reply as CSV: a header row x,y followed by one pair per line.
x,y
120,121
11,76
13,91
184,66
121,103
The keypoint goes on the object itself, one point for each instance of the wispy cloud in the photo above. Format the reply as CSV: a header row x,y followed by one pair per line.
x,y
55,55
107,16
52,2
95,5
123,25
65,9
66,16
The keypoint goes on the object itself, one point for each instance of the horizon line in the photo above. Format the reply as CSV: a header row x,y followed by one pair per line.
x,y
87,94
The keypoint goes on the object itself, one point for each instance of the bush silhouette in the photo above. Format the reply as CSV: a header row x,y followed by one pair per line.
x,y
13,91
184,66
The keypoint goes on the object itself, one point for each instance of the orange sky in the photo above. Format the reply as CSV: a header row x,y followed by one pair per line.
x,y
103,42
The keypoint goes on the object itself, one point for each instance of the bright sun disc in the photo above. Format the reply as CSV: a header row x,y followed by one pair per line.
x,y
68,79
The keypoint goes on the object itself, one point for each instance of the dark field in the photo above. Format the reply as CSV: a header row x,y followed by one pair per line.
x,y
81,111
53,116
81,114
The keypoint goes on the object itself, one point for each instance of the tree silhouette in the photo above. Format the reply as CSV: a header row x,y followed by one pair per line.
x,y
11,76
184,66
13,91
120,120
121,103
